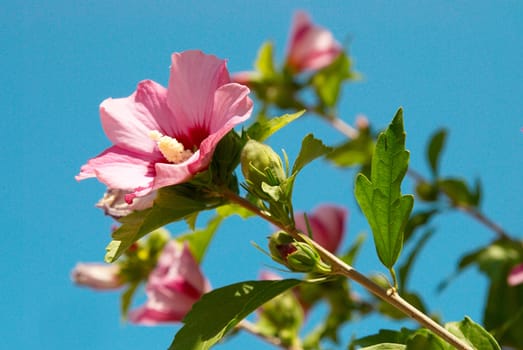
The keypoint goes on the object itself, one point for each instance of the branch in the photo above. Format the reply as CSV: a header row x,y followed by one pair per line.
x,y
339,267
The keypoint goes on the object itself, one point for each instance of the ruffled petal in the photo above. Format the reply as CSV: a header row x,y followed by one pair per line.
x,y
128,121
122,169
194,78
232,106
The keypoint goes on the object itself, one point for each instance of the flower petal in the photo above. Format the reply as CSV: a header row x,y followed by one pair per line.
x,y
173,287
327,224
310,46
515,276
128,121
232,106
119,168
194,78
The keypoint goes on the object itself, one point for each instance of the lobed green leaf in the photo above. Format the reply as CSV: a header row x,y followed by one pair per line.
x,y
311,148
380,199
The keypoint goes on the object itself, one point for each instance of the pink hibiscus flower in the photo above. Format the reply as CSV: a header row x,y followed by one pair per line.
x,y
327,223
164,136
310,47
172,288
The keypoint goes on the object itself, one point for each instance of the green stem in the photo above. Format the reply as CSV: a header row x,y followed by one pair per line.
x,y
339,267
394,279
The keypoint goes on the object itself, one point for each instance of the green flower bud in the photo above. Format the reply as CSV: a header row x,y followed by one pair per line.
x,y
282,317
426,191
260,164
297,256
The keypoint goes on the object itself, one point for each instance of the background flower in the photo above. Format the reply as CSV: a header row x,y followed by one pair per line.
x,y
327,223
310,47
172,288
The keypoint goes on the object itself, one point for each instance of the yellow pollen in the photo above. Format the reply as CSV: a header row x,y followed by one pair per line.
x,y
171,149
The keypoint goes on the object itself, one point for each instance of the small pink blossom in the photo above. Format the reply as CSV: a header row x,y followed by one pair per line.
x,y
164,136
310,47
172,288
97,276
515,276
327,223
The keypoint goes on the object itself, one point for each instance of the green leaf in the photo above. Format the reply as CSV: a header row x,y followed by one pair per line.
x,y
263,128
385,346
424,339
220,310
384,336
436,144
328,81
172,203
417,220
127,298
459,193
311,148
264,61
380,199
234,209
354,152
404,270
472,332
199,240
353,251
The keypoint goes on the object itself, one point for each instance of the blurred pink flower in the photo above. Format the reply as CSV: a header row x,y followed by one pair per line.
x,y
269,276
310,47
97,276
515,276
327,223
172,288
164,136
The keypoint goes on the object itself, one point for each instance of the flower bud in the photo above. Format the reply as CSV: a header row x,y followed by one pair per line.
x,y
426,191
113,203
260,164
97,276
297,256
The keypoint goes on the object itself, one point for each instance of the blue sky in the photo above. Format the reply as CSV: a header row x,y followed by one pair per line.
x,y
456,65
